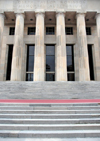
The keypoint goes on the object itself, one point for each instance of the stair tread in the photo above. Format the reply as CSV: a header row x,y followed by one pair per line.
x,y
45,131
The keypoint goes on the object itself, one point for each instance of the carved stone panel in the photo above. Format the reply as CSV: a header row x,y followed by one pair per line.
x,y
46,5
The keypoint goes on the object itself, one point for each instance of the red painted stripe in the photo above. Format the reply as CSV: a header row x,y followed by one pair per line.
x,y
50,101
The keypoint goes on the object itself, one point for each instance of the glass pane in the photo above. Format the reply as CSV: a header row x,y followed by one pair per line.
x,y
69,60
71,77
70,66
50,30
31,31
31,50
50,77
69,50
50,63
29,77
50,50
31,63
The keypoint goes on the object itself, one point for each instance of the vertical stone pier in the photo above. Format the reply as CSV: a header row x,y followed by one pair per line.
x,y
1,30
82,48
61,65
18,50
39,64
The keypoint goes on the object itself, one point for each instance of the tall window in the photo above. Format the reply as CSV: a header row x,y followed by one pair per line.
x,y
30,63
10,52
70,63
50,63
91,65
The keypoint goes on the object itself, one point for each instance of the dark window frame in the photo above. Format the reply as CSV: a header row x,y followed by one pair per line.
x,y
9,63
88,31
69,30
69,72
91,62
51,72
48,32
28,72
12,31
30,32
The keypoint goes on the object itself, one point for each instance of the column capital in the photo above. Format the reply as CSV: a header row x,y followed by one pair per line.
x,y
2,14
97,15
40,12
20,14
60,12
80,14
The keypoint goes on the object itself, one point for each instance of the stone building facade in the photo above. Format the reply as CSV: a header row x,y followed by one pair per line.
x,y
49,40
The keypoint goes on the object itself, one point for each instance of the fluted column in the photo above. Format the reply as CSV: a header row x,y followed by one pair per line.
x,y
97,49
98,26
1,30
82,48
61,65
18,50
39,64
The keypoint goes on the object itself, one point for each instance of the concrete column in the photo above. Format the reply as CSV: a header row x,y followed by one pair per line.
x,y
1,30
98,27
18,50
61,65
96,49
39,64
82,48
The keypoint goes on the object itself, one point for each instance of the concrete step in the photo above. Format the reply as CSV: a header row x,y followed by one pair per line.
x,y
49,116
48,139
50,121
49,108
49,127
49,90
50,134
48,105
50,111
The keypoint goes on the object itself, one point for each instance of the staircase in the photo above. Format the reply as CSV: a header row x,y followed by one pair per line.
x,y
49,120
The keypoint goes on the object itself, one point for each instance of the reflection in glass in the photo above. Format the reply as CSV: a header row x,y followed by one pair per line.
x,y
70,58
29,77
50,77
69,50
71,77
31,63
50,63
30,59
50,50
31,50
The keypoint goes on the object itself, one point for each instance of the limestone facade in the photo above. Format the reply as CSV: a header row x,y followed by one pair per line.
x,y
77,14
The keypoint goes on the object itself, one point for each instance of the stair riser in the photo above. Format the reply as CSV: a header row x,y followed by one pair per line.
x,y
51,112
48,105
49,128
62,135
49,122
49,117
49,108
